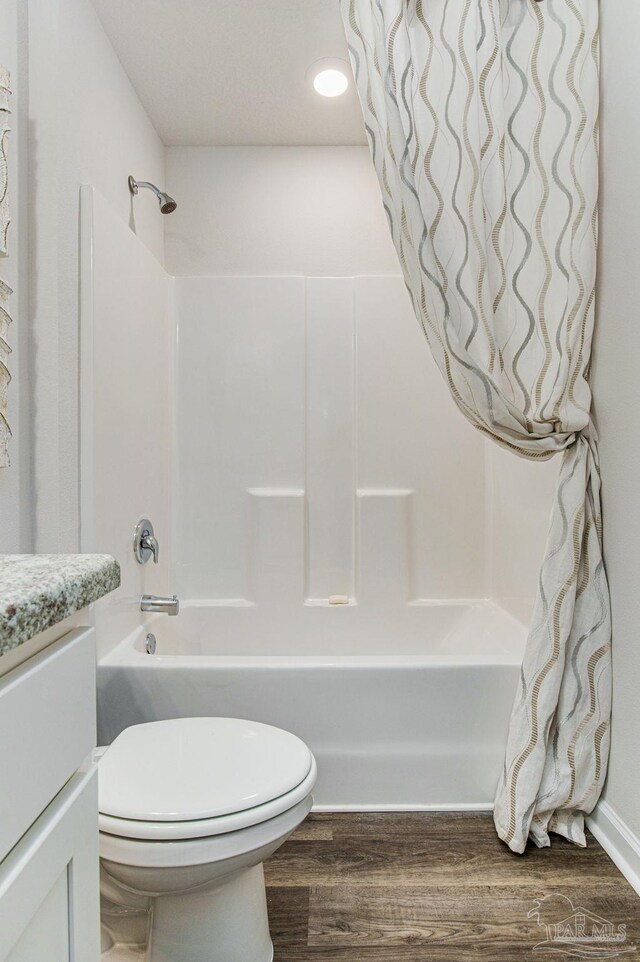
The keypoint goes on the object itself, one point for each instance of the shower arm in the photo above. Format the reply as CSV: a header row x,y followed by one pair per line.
x,y
135,184
167,203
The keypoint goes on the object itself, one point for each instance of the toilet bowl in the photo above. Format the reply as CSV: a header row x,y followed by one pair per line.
x,y
189,810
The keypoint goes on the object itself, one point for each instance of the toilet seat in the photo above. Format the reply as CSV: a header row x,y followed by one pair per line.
x,y
208,827
198,777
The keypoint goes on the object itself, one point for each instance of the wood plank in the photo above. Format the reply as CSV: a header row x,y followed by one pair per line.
x,y
425,861
359,916
288,915
437,824
505,952
427,887
313,830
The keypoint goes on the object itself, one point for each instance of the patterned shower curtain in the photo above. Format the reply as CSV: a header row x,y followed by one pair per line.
x,y
482,119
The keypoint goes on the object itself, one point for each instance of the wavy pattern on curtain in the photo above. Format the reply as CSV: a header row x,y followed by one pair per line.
x,y
482,119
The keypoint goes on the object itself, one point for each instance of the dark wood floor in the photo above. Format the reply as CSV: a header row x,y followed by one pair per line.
x,y
423,887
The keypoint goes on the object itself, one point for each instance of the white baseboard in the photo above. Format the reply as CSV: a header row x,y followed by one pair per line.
x,y
618,841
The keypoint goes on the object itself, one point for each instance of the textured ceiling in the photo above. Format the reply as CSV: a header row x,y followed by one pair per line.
x,y
221,72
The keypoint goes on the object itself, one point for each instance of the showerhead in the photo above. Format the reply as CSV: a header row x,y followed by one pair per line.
x,y
167,203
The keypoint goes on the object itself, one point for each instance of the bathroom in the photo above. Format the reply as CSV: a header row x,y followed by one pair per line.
x,y
268,583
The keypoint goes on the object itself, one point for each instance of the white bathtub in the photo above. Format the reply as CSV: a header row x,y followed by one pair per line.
x,y
422,727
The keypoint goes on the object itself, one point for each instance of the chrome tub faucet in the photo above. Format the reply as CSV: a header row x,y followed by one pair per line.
x,y
166,606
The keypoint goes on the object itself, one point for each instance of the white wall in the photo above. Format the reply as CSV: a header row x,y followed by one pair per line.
x,y
15,481
314,211
87,126
519,500
617,389
127,411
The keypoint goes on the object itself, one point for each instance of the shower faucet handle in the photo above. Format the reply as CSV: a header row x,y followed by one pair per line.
x,y
149,542
145,543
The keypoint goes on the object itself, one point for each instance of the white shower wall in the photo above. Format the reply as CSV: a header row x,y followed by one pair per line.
x,y
318,451
322,384
519,494
127,337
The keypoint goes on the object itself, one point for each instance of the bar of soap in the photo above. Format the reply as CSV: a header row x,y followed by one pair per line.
x,y
338,599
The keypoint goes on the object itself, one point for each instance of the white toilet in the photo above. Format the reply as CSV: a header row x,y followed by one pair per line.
x,y
189,810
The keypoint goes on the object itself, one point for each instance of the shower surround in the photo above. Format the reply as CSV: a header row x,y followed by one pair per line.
x,y
309,462
291,445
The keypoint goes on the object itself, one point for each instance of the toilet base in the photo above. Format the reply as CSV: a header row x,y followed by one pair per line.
x,y
226,924
191,900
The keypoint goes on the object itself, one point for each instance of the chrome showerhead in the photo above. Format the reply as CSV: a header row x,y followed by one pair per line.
x,y
167,203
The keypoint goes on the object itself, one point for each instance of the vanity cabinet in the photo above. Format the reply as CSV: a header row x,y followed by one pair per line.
x,y
49,881
49,884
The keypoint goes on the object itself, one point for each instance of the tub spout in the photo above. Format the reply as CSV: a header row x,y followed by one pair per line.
x,y
167,606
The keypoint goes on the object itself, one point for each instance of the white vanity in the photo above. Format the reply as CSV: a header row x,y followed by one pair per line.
x,y
49,891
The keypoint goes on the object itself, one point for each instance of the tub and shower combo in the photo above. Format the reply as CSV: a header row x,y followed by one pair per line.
x,y
294,447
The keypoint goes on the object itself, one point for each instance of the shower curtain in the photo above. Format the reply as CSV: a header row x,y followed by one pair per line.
x,y
482,120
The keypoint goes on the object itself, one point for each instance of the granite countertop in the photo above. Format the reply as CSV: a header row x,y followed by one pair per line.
x,y
39,590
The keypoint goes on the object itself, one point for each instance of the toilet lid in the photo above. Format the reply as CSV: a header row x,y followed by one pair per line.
x,y
193,768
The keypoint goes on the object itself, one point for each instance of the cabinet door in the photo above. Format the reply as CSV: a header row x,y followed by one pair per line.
x,y
47,720
49,888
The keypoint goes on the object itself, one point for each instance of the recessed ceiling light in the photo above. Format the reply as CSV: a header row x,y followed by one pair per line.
x,y
328,77
330,83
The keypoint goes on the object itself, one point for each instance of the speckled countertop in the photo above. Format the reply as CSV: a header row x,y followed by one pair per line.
x,y
39,590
